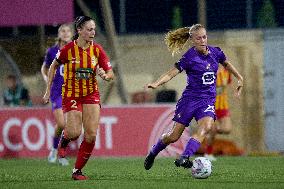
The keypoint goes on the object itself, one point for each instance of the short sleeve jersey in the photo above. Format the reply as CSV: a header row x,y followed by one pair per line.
x,y
58,78
74,57
201,72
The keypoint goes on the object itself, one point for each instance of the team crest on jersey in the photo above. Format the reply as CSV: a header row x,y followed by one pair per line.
x,y
94,61
75,61
208,66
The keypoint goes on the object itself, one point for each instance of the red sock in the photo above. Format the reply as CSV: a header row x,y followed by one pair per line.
x,y
209,149
84,154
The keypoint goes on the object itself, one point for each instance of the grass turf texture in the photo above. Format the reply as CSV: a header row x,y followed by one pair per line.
x,y
228,172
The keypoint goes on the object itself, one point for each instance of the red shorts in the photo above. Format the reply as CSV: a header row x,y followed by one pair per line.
x,y
75,103
222,113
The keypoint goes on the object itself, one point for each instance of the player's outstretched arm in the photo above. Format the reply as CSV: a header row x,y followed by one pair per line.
x,y
51,73
239,77
164,78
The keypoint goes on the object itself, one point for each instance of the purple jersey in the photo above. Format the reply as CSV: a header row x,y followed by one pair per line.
x,y
201,72
56,87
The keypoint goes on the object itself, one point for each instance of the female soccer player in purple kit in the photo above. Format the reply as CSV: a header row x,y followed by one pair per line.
x,y
65,33
200,63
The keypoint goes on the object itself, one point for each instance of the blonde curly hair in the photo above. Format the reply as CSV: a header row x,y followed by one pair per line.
x,y
176,39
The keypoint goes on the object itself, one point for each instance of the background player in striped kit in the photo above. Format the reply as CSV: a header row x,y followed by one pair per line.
x,y
65,33
223,124
200,63
80,94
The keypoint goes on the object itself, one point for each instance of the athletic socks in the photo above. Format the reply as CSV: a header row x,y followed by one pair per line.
x,y
56,142
84,154
159,146
191,147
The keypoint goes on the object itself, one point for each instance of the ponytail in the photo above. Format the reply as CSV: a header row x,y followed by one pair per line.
x,y
176,40
75,37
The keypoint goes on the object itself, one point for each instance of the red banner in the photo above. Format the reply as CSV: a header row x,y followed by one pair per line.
x,y
35,12
124,131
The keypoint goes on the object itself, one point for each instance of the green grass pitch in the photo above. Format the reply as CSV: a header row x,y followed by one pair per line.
x,y
228,172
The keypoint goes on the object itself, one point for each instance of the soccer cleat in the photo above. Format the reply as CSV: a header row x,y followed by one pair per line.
x,y
78,175
63,161
149,161
183,162
52,156
210,157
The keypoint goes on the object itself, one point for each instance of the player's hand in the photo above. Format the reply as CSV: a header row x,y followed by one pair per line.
x,y
239,88
150,86
46,97
103,74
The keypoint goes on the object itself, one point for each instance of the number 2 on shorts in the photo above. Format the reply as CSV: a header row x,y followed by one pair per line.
x,y
74,104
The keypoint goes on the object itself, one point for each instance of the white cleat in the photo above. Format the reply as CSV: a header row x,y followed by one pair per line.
x,y
63,161
210,157
52,156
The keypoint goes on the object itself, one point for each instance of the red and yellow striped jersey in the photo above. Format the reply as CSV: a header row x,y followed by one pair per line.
x,y
75,58
223,79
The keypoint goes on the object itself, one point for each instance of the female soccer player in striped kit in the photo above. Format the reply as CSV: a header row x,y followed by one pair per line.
x,y
65,33
200,63
80,94
223,121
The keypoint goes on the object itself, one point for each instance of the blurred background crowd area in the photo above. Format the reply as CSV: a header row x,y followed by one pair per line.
x,y
140,26
249,31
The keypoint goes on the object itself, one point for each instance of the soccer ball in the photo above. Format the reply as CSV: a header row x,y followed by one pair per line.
x,y
201,168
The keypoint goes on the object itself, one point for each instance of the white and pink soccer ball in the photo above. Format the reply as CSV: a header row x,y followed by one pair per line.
x,y
201,168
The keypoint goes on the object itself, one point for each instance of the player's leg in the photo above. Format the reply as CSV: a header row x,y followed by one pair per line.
x,y
204,114
205,124
72,130
72,109
209,142
172,136
91,114
59,126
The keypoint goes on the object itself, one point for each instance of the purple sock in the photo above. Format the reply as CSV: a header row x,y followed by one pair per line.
x,y
55,142
159,146
191,147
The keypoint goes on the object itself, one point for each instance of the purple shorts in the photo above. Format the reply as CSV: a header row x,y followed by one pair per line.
x,y
187,109
56,103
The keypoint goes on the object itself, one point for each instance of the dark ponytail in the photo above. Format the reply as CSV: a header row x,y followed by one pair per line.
x,y
75,37
79,22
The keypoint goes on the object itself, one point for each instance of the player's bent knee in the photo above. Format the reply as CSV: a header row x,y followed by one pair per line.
x,y
206,129
72,134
